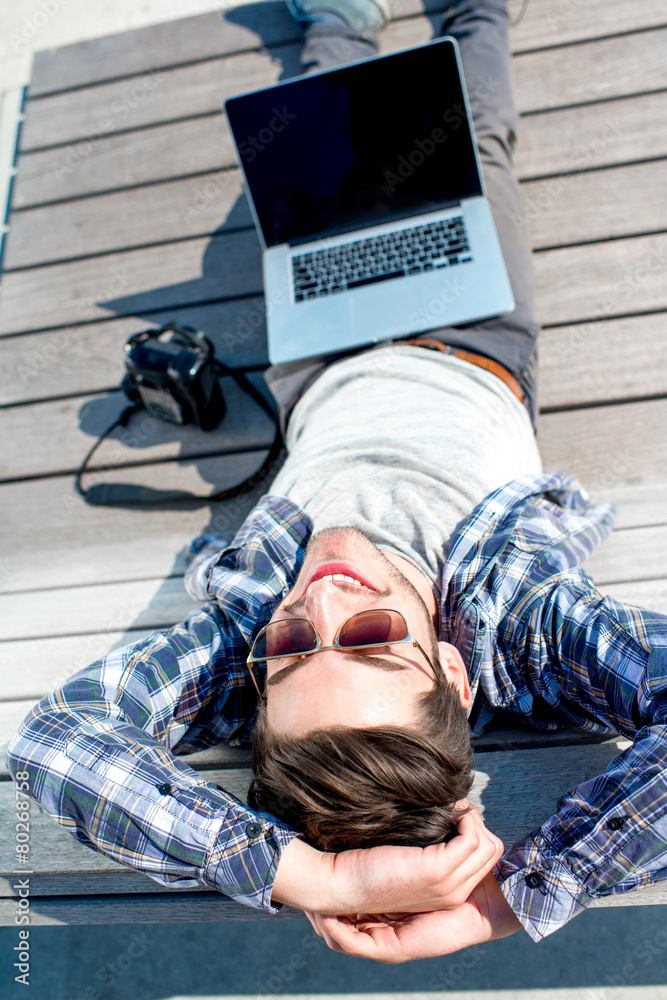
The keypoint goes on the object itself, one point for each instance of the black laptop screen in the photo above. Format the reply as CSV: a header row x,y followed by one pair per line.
x,y
358,146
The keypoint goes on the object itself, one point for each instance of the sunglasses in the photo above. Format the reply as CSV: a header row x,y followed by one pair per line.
x,y
371,630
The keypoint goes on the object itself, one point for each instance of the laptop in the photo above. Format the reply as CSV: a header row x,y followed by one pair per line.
x,y
368,197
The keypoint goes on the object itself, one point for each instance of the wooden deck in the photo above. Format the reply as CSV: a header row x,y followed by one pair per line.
x,y
127,211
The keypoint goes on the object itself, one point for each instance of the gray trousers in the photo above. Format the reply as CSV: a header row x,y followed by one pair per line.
x,y
481,30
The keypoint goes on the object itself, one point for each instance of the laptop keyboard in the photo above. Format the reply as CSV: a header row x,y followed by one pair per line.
x,y
393,255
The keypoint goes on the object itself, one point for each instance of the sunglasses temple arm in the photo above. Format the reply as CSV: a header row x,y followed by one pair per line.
x,y
429,661
252,677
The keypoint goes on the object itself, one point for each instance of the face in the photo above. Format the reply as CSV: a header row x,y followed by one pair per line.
x,y
344,573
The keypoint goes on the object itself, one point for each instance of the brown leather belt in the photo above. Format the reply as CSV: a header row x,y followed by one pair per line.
x,y
474,359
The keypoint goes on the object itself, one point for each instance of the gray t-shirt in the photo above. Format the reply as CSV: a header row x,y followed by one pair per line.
x,y
403,443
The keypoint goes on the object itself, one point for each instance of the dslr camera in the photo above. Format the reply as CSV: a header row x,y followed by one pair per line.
x,y
172,373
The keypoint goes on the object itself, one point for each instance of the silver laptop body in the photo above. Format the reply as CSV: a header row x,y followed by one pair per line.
x,y
368,197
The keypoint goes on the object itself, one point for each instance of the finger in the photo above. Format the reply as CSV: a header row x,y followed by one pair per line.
x,y
472,828
466,859
313,917
331,934
352,939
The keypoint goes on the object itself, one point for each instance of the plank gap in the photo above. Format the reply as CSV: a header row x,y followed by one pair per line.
x,y
596,404
134,314
571,43
580,104
194,457
534,178
62,396
92,254
146,127
106,391
554,246
601,318
176,575
154,182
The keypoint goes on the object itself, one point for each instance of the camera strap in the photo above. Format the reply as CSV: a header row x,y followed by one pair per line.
x,y
131,495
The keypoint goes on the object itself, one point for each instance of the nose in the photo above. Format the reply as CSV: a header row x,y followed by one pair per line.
x,y
328,605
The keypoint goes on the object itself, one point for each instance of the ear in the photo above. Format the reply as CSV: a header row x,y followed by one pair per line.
x,y
455,671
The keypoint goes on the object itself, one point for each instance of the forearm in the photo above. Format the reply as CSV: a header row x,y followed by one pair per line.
x,y
608,836
118,791
97,757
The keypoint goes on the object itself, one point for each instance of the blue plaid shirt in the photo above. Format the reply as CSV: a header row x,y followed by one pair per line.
x,y
539,642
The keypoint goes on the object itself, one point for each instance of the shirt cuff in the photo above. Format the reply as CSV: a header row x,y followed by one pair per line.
x,y
543,893
247,871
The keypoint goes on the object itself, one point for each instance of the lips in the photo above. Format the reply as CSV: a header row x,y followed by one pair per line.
x,y
341,570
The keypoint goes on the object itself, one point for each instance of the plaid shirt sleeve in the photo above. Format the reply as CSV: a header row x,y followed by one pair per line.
x,y
609,834
99,750
549,647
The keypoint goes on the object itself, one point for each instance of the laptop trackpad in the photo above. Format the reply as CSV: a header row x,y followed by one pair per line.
x,y
384,310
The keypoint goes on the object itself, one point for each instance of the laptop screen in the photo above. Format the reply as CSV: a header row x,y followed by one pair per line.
x,y
357,146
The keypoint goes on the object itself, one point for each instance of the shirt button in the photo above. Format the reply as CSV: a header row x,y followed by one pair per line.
x,y
616,822
534,881
253,830
164,789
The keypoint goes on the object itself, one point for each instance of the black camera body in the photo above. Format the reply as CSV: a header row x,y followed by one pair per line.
x,y
172,373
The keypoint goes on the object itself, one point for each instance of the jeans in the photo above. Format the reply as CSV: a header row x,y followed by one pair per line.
x,y
481,30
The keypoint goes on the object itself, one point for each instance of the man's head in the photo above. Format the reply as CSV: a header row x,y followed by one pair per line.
x,y
379,733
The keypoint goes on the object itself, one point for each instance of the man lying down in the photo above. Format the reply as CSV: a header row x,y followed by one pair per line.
x,y
410,573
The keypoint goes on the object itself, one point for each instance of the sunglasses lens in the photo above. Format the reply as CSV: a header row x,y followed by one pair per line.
x,y
373,628
285,638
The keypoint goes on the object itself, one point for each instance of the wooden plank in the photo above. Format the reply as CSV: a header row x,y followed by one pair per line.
x,y
550,142
151,98
177,42
547,23
31,668
607,446
150,556
53,437
89,358
47,528
584,137
592,71
55,852
177,149
137,217
617,278
543,24
651,594
623,276
12,714
515,790
637,504
135,282
141,909
113,545
609,360
202,908
51,537
633,554
602,361
604,69
595,205
140,604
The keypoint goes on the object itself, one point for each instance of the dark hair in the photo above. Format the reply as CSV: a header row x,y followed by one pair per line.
x,y
345,788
